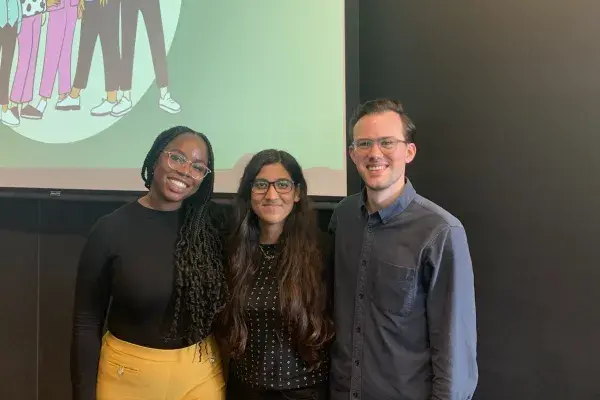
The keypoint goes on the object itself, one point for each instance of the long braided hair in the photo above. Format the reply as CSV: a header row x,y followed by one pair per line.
x,y
200,288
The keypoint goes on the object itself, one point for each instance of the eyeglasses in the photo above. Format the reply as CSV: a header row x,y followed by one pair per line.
x,y
179,162
386,144
282,186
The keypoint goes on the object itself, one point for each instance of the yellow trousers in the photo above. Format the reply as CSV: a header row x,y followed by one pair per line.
x,y
127,371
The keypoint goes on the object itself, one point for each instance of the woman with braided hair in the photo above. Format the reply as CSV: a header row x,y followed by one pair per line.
x,y
158,263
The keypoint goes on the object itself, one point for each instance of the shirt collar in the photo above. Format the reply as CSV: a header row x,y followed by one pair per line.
x,y
399,205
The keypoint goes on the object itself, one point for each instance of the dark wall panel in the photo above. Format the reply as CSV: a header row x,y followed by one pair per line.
x,y
64,226
18,299
505,96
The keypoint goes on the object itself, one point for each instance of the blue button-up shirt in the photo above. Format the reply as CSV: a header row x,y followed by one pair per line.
x,y
404,303
11,13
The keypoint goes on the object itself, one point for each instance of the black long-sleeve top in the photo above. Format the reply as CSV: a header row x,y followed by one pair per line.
x,y
128,261
271,360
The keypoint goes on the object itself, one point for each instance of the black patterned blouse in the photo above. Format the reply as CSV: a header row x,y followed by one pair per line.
x,y
270,361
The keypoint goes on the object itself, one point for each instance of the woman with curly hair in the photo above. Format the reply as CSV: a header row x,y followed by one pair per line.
x,y
153,271
277,326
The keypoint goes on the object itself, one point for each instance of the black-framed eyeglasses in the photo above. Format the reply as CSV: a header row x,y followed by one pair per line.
x,y
282,186
179,162
386,144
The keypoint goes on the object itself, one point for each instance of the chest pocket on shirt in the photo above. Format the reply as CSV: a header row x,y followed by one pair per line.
x,y
393,287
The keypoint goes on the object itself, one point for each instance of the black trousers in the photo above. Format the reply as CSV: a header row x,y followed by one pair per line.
x,y
150,10
99,21
8,42
236,390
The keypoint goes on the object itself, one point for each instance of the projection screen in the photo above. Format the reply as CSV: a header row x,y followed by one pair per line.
x,y
86,86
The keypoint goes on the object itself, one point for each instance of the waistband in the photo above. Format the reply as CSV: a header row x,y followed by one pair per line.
x,y
206,349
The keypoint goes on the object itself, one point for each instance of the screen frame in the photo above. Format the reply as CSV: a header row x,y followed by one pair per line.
x,y
353,181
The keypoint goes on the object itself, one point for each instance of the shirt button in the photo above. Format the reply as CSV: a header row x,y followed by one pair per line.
x,y
360,296
357,362
363,263
358,329
354,394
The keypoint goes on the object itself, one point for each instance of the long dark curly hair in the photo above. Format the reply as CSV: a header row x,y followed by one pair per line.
x,y
200,288
302,290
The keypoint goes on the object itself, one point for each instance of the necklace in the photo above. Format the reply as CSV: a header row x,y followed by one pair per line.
x,y
269,257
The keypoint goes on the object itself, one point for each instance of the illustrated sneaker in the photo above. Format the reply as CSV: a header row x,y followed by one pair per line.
x,y
30,112
9,118
169,105
121,108
104,109
69,103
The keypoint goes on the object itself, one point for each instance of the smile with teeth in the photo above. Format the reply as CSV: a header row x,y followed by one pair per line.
x,y
376,167
179,184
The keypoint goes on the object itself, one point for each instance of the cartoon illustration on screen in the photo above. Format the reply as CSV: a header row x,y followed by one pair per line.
x,y
62,20
48,66
28,40
11,16
150,10
99,19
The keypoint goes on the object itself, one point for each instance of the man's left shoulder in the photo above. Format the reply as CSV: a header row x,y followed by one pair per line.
x,y
436,214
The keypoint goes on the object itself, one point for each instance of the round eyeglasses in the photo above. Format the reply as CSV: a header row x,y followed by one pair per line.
x,y
282,186
385,144
179,162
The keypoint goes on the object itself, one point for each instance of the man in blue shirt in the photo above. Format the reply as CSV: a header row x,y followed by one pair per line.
x,y
11,16
404,293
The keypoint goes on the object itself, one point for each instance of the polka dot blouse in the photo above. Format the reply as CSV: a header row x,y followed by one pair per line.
x,y
270,360
33,7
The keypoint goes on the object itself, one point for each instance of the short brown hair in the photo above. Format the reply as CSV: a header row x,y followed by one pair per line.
x,y
379,106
